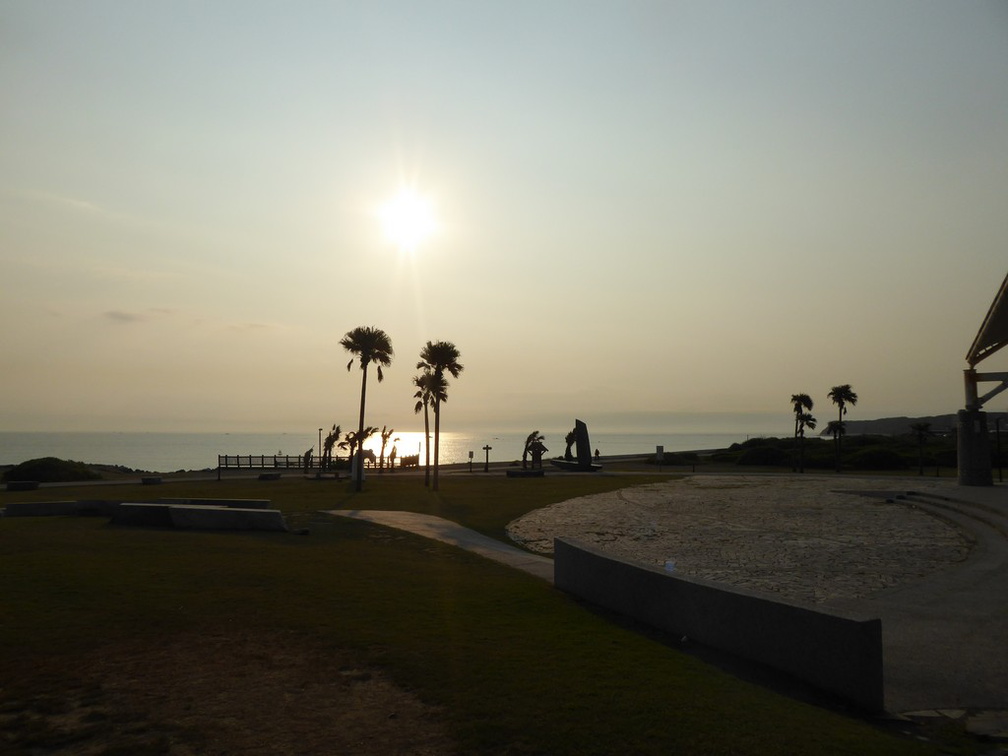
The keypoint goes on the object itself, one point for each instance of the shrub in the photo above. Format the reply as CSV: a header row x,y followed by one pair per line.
x,y
765,455
51,470
876,459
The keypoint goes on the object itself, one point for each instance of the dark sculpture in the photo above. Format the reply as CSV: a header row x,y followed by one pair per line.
x,y
583,463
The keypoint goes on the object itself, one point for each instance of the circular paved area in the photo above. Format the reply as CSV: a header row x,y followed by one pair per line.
x,y
799,538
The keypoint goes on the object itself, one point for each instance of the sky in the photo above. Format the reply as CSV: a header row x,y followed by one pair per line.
x,y
649,215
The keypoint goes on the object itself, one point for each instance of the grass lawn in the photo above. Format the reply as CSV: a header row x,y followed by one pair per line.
x,y
497,661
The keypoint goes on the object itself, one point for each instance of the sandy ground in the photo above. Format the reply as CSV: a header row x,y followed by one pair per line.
x,y
801,538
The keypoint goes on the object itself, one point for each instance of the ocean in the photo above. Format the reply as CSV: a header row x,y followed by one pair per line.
x,y
171,452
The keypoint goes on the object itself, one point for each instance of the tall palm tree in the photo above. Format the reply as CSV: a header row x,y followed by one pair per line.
x,y
438,358
801,403
533,438
427,387
841,396
805,420
922,431
385,436
368,345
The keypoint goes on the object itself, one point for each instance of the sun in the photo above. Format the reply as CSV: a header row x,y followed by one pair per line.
x,y
408,219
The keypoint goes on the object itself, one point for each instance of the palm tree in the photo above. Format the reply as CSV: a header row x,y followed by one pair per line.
x,y
805,420
330,441
368,345
802,403
535,437
355,443
922,431
427,387
438,358
385,436
841,396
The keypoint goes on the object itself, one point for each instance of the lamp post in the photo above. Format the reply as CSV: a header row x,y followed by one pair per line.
x,y
319,452
486,465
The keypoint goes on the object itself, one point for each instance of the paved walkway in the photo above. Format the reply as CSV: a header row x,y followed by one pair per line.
x,y
446,531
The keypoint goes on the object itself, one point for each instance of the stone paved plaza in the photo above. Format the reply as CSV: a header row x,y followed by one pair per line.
x,y
802,538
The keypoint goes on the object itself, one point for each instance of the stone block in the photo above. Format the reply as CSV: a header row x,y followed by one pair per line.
x,y
143,515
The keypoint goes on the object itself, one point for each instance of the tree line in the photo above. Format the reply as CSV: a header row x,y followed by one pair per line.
x,y
438,360
802,404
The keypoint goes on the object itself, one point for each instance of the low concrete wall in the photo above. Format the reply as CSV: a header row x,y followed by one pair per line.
x,y
40,508
143,515
83,507
235,503
838,654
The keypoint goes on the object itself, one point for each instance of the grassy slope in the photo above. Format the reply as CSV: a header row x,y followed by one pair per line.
x,y
512,660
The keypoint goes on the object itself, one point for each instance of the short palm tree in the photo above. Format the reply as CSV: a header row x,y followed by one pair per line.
x,y
439,358
801,403
367,345
330,441
533,438
386,434
354,441
841,396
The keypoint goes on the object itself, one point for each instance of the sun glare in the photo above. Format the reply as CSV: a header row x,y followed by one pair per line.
x,y
407,219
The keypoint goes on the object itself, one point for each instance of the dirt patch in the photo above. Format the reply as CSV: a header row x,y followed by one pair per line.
x,y
212,694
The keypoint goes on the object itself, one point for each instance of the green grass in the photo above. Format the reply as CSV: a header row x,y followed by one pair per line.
x,y
511,660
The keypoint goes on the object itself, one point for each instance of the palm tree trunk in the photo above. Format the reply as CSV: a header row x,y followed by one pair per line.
x,y
437,438
839,438
426,429
794,466
359,470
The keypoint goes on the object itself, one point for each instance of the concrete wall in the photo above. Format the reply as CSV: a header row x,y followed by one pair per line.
x,y
837,654
236,503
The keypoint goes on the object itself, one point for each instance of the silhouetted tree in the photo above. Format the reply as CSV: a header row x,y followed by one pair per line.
x,y
841,396
805,420
533,438
331,440
427,386
438,358
368,345
922,431
385,436
800,403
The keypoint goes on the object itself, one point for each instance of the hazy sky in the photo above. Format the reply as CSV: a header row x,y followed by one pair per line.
x,y
645,208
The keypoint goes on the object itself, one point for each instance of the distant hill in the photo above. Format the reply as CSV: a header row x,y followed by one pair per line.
x,y
898,426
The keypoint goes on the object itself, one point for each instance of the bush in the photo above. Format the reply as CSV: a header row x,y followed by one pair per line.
x,y
876,459
51,470
677,458
770,456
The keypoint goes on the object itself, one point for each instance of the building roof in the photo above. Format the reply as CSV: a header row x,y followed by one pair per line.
x,y
993,333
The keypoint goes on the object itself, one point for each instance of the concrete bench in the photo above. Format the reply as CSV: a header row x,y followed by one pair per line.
x,y
40,508
233,503
143,515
